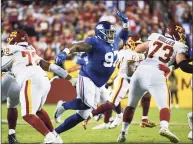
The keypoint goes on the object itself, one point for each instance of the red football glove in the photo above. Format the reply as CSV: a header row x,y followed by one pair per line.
x,y
165,69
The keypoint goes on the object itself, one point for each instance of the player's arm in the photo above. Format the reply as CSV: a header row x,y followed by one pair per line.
x,y
79,47
54,68
141,48
85,46
124,33
74,68
183,63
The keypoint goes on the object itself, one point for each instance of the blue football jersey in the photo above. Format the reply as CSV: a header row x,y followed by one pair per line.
x,y
101,60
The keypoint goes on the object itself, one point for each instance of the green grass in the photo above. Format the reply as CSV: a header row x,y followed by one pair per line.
x,y
179,126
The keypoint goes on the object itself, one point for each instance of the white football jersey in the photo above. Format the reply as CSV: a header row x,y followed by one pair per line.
x,y
128,56
22,61
163,50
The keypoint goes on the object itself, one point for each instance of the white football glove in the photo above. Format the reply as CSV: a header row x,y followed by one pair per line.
x,y
73,81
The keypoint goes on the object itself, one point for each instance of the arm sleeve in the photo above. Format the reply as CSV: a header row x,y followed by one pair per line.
x,y
186,67
58,70
37,58
90,41
124,34
81,62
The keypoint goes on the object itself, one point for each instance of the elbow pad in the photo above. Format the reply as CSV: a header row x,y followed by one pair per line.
x,y
58,70
185,66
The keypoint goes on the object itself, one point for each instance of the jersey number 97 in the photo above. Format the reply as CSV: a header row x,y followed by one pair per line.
x,y
109,59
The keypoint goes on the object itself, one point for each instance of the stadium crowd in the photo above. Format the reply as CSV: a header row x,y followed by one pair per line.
x,y
54,24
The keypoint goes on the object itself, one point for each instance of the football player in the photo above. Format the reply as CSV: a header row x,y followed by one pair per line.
x,y
162,50
102,52
104,92
10,90
28,68
127,64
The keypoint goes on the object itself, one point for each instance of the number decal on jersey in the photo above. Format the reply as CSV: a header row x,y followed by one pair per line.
x,y
109,59
6,51
167,55
29,56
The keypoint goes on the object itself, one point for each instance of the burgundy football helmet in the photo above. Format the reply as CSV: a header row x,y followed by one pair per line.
x,y
133,41
17,36
176,31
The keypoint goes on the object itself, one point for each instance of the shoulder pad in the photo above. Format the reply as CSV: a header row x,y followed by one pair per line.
x,y
153,36
10,49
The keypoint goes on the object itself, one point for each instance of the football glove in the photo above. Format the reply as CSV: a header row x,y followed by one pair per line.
x,y
123,17
61,57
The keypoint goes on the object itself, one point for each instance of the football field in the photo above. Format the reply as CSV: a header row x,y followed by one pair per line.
x,y
179,126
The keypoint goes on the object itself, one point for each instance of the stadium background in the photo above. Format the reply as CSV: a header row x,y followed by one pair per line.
x,y
53,25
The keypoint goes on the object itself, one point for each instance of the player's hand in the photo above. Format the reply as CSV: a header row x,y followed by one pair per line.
x,y
165,69
60,58
123,17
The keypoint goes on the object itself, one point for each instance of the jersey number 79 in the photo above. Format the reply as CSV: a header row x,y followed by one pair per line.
x,y
29,56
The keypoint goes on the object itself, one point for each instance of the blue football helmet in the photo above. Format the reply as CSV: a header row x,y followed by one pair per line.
x,y
105,31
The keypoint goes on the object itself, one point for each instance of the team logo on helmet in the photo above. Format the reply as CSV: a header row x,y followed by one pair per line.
x,y
177,32
133,41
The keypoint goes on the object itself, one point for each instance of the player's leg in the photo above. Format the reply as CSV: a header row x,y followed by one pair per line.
x,y
145,102
10,90
161,94
104,98
41,113
135,94
90,95
116,97
190,120
12,115
73,120
76,104
30,99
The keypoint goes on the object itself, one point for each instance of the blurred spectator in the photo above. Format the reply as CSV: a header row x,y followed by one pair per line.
x,y
173,83
107,16
52,25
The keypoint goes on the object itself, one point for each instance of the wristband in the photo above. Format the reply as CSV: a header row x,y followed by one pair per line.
x,y
66,50
126,25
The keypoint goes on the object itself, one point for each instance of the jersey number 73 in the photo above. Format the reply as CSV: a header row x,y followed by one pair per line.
x,y
167,49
